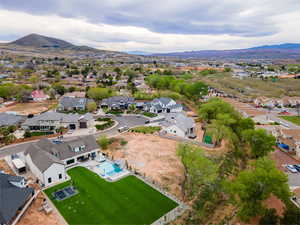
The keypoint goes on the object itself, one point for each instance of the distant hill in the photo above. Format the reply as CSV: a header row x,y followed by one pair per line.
x,y
281,51
40,41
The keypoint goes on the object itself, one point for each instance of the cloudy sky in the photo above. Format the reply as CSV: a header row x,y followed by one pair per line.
x,y
154,25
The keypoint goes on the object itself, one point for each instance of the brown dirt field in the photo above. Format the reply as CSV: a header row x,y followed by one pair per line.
x,y
5,167
33,216
154,157
29,108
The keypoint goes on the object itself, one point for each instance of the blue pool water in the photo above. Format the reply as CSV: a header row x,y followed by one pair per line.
x,y
109,169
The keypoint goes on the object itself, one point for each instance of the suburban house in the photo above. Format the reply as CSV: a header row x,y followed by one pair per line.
x,y
117,102
180,125
7,119
75,94
48,160
160,105
290,140
39,95
72,104
14,195
50,121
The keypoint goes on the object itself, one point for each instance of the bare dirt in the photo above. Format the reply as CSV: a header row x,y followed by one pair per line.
x,y
34,215
29,108
153,157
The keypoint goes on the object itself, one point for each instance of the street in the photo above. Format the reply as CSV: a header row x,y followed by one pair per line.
x,y
126,120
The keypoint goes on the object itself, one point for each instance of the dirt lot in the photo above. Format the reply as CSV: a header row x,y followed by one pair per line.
x,y
29,108
5,167
153,156
34,216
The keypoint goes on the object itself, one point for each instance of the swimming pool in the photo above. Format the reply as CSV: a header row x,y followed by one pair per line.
x,y
108,169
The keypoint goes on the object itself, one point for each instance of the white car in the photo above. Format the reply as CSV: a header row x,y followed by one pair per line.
x,y
291,168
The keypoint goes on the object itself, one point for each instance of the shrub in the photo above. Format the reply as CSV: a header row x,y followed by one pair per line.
x,y
149,114
103,142
123,142
27,134
146,130
106,125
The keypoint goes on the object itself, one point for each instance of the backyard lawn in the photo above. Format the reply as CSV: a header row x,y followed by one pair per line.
x,y
127,201
293,119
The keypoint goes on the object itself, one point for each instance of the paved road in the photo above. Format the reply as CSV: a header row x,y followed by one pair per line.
x,y
276,118
128,120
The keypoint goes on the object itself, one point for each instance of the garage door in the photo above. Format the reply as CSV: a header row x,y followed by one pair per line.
x,y
83,125
72,126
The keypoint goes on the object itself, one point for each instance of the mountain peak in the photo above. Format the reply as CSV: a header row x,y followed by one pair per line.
x,y
40,41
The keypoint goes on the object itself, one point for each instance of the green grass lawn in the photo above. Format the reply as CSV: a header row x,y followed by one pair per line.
x,y
293,119
127,201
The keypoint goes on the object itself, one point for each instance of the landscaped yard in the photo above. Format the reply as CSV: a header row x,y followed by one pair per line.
x,y
293,119
128,201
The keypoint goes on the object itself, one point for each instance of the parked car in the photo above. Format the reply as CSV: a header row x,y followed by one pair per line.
x,y
291,168
297,167
122,129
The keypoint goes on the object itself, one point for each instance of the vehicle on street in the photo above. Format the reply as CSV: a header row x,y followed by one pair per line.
x,y
291,168
122,129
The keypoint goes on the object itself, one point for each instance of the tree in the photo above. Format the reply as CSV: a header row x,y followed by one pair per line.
x,y
91,106
99,93
291,215
215,106
103,142
59,88
253,186
269,218
261,143
199,170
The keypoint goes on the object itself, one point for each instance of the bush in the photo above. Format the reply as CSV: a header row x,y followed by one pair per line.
x,y
123,142
103,119
103,142
146,130
27,134
106,125
149,114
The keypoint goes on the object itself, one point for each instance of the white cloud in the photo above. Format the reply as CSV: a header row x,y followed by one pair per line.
x,y
81,30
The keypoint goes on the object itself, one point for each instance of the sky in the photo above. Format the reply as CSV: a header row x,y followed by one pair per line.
x,y
154,25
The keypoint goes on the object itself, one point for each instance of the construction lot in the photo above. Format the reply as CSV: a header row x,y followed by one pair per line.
x,y
29,108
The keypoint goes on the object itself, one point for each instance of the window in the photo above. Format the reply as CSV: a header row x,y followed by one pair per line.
x,y
60,176
70,161
49,180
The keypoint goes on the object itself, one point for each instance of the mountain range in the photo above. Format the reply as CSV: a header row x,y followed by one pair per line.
x,y
280,51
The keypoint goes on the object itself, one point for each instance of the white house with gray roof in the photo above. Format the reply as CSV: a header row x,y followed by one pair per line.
x,y
48,160
179,124
50,121
163,105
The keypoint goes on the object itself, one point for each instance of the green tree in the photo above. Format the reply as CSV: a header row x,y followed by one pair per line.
x,y
99,93
199,170
253,186
291,215
103,142
269,218
261,143
91,106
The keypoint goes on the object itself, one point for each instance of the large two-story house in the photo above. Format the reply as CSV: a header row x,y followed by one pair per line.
x,y
117,102
179,124
72,104
50,121
48,160
163,105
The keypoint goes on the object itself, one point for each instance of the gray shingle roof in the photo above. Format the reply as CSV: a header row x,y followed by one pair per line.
x,y
7,119
12,198
180,120
115,100
56,116
44,152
